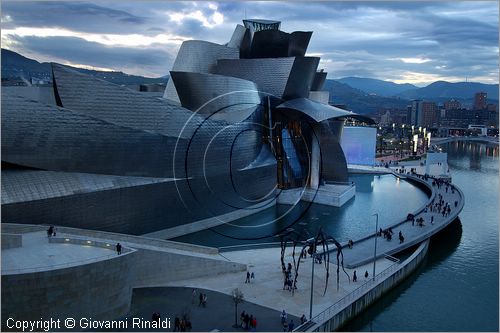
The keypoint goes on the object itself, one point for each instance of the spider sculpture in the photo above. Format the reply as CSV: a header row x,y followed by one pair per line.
x,y
310,246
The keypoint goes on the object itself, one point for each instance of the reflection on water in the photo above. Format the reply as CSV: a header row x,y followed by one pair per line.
x,y
392,198
442,245
456,289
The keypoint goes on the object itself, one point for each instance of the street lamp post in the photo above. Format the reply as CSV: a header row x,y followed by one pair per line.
x,y
375,250
312,285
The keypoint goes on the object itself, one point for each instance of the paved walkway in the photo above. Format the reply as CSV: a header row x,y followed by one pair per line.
x,y
267,287
217,315
363,250
38,254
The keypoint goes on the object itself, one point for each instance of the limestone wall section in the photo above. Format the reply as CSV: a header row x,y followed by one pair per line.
x,y
101,290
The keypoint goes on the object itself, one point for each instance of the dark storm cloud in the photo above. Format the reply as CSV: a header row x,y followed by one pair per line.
x,y
79,51
77,16
371,38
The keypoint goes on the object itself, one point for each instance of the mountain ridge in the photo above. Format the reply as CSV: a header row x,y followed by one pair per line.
x,y
390,94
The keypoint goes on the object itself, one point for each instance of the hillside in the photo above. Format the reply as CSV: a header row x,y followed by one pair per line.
x,y
15,66
378,87
447,90
360,101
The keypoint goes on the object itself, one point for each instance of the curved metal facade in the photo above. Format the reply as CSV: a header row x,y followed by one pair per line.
x,y
301,77
271,75
318,111
318,81
220,96
113,159
286,78
199,57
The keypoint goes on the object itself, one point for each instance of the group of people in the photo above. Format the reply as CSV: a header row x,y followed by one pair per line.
x,y
350,243
420,221
288,326
355,276
182,324
387,233
248,322
249,276
441,206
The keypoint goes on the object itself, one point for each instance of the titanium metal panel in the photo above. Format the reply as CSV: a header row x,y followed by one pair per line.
x,y
333,161
199,57
301,77
118,105
277,44
269,44
31,185
320,96
270,74
315,110
52,138
318,81
217,95
246,44
133,210
237,37
298,43
319,111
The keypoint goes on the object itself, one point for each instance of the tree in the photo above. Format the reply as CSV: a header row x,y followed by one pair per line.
x,y
237,299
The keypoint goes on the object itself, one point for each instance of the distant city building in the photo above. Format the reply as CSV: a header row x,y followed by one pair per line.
x,y
429,114
480,100
385,119
452,105
416,112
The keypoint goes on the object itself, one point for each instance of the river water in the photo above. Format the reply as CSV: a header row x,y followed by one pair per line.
x,y
455,289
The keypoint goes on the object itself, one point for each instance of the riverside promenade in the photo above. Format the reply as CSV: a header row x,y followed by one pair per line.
x,y
267,288
434,221
160,264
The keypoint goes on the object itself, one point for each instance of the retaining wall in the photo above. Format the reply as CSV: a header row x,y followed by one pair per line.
x,y
101,290
340,318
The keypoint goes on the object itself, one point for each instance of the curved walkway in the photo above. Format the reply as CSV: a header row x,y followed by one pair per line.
x,y
487,139
363,250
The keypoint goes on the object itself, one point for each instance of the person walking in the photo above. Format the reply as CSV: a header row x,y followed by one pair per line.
x,y
118,248
248,277
366,274
354,277
291,326
283,316
193,296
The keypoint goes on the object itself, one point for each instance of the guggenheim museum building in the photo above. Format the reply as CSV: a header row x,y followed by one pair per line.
x,y
239,126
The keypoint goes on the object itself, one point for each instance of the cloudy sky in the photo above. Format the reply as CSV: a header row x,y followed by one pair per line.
x,y
414,42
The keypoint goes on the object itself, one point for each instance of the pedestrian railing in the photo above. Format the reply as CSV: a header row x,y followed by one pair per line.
x,y
350,298
243,247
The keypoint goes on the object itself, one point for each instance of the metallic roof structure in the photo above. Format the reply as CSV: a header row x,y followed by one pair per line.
x,y
118,105
318,111
30,185
199,57
235,122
